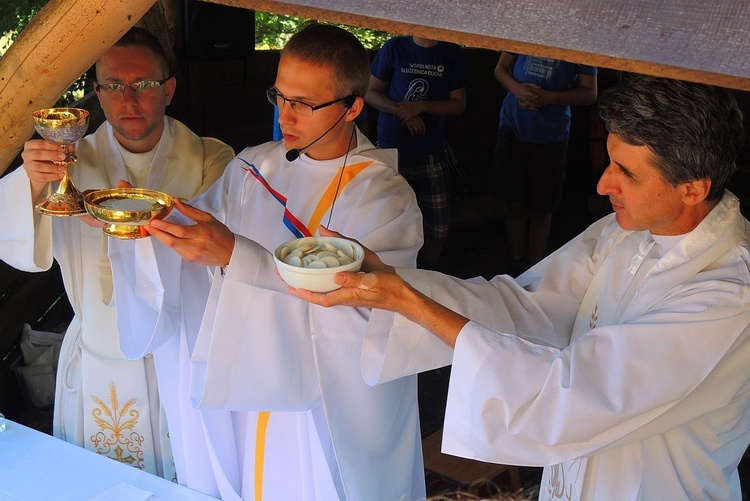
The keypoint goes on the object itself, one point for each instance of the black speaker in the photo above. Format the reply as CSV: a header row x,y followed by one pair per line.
x,y
350,100
216,32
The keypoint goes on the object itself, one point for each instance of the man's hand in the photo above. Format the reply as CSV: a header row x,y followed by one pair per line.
x,y
407,110
386,290
208,242
529,96
38,157
368,290
380,287
371,261
416,126
88,218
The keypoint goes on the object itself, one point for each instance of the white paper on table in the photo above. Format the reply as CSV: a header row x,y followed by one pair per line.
x,y
124,492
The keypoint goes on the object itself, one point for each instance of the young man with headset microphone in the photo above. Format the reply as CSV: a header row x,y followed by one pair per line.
x,y
268,397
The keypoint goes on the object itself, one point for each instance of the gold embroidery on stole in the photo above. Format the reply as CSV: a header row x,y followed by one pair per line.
x,y
114,423
559,485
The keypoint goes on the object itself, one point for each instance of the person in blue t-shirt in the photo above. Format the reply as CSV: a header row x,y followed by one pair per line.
x,y
529,162
417,82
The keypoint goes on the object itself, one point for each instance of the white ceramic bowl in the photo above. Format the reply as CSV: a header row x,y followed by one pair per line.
x,y
316,279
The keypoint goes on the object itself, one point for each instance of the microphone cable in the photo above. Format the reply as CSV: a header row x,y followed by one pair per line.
x,y
341,175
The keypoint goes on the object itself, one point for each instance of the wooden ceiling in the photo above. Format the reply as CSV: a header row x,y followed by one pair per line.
x,y
696,40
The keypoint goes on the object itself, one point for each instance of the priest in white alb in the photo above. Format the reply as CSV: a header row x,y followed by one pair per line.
x,y
620,362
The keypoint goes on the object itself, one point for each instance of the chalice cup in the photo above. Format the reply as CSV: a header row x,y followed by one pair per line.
x,y
63,126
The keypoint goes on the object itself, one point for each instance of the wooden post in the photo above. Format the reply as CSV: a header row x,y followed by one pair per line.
x,y
59,44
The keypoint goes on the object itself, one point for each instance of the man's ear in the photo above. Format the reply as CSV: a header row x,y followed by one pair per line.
x,y
695,192
356,108
171,85
98,95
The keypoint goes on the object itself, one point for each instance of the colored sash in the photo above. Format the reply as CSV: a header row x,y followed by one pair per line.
x,y
343,176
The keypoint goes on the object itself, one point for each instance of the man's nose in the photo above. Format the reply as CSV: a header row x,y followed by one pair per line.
x,y
286,115
129,96
605,184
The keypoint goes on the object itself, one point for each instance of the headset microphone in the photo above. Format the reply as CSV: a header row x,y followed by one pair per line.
x,y
294,153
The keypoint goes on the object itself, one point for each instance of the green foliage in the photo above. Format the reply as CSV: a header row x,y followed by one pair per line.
x,y
13,17
371,39
15,14
74,93
273,30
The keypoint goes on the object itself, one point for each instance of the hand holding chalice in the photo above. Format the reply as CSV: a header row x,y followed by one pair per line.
x,y
63,126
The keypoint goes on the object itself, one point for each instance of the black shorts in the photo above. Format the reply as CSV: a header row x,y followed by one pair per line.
x,y
530,173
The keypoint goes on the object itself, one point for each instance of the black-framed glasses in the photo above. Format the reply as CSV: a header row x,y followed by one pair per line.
x,y
304,109
112,89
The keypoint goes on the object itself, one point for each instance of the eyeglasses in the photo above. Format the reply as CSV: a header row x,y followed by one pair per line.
x,y
304,109
141,87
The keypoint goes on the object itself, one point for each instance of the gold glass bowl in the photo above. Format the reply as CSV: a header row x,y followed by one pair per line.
x,y
124,211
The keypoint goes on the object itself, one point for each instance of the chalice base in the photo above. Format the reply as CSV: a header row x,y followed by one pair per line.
x,y
62,204
125,231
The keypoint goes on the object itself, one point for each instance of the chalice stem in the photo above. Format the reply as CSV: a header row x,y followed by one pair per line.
x,y
70,158
66,183
65,201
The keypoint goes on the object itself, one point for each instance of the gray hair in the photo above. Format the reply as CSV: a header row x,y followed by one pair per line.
x,y
694,130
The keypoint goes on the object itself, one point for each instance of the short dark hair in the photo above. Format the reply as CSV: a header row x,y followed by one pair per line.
x,y
694,130
329,45
140,37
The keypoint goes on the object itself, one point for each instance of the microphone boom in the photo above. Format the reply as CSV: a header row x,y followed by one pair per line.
x,y
294,153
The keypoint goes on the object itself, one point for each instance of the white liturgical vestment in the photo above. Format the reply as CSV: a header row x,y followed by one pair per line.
x,y
619,363
268,389
104,401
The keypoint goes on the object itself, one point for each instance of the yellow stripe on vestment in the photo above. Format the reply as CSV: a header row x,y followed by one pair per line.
x,y
333,189
260,452
325,203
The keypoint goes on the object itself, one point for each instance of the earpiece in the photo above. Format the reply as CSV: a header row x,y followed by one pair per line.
x,y
350,100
